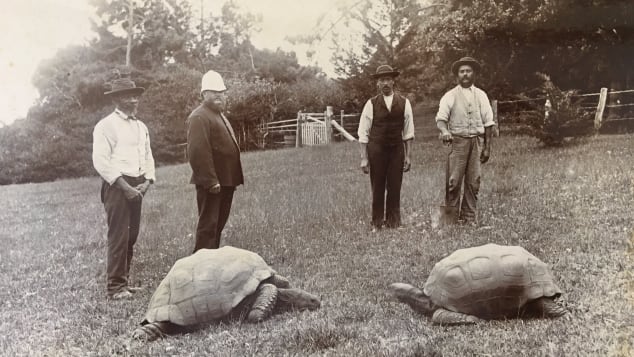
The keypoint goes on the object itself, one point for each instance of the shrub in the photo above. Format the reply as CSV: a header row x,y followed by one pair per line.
x,y
561,117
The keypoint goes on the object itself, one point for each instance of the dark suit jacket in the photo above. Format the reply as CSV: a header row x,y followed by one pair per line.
x,y
212,152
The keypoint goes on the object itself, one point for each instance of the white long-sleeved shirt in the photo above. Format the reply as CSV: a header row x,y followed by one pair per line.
x,y
367,115
121,146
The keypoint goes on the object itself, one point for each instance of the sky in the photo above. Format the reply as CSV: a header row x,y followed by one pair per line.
x,y
33,30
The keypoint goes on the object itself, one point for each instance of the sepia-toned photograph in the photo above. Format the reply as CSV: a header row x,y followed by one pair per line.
x,y
317,178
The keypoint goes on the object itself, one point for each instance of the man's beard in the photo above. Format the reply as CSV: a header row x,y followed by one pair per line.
x,y
213,106
128,109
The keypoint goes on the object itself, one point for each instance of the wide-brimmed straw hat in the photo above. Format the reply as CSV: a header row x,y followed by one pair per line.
x,y
465,60
124,86
385,70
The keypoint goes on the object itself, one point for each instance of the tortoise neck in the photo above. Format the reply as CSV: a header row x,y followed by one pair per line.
x,y
295,299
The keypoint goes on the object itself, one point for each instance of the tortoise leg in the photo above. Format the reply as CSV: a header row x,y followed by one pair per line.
x,y
152,331
547,307
265,298
279,281
412,296
446,317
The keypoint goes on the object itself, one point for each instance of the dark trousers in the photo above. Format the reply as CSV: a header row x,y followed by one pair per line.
x,y
386,175
124,220
213,212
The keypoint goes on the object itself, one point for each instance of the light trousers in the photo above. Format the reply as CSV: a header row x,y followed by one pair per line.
x,y
464,166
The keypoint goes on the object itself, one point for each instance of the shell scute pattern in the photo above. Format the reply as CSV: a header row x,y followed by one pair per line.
x,y
207,285
511,266
489,281
455,278
480,268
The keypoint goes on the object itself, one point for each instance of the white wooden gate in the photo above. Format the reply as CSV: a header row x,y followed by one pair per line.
x,y
313,134
308,129
314,130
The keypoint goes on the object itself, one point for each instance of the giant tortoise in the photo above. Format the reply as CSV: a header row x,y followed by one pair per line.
x,y
213,284
486,282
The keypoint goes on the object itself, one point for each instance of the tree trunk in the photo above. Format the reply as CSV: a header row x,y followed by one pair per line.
x,y
130,20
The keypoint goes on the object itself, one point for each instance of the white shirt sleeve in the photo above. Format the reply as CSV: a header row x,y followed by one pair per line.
x,y
486,112
101,152
150,170
365,122
408,128
444,108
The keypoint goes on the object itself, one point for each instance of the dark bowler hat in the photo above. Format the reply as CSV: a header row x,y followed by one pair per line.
x,y
465,60
385,70
124,86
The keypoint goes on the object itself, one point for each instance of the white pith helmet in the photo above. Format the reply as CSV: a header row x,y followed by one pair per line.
x,y
212,81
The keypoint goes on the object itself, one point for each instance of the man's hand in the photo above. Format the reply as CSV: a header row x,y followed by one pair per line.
x,y
132,194
365,166
486,152
446,137
143,187
129,192
215,188
407,164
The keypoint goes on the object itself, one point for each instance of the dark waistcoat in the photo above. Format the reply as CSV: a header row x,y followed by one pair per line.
x,y
387,126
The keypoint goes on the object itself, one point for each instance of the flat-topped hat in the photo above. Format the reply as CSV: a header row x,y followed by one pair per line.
x,y
124,86
385,70
465,60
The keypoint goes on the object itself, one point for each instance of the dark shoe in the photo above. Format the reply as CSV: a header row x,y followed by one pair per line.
x,y
124,294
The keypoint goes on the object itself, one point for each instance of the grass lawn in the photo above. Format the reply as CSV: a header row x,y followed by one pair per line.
x,y
306,212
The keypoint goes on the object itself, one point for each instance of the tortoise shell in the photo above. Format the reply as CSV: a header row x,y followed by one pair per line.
x,y
207,285
489,281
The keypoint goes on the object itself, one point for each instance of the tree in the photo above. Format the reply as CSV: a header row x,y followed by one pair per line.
x,y
168,57
581,44
161,30
390,29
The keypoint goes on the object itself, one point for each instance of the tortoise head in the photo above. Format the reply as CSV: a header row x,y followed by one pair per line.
x,y
414,297
296,299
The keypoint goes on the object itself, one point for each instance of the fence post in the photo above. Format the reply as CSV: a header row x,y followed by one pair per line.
x,y
494,106
327,119
342,118
598,118
298,130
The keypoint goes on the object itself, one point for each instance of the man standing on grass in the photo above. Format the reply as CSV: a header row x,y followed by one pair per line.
x,y
465,121
123,158
214,157
386,130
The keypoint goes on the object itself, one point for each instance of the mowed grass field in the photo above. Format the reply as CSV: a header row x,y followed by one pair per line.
x,y
306,211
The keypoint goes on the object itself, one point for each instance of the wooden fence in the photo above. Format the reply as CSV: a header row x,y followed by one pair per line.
x,y
310,129
605,107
